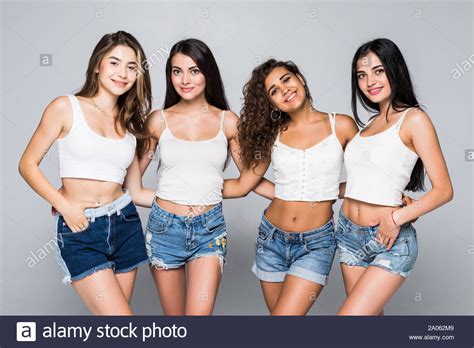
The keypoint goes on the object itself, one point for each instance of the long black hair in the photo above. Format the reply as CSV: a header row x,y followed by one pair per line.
x,y
202,56
214,91
402,94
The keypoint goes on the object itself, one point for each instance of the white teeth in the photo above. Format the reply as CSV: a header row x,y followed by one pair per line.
x,y
291,97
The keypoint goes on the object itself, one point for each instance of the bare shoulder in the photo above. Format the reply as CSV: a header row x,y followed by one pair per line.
x,y
59,106
58,113
416,122
231,119
416,117
345,124
155,123
230,123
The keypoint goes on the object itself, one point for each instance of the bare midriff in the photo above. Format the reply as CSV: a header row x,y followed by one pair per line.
x,y
95,192
295,216
181,209
362,213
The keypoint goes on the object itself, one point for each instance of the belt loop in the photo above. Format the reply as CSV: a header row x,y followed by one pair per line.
x,y
92,212
272,232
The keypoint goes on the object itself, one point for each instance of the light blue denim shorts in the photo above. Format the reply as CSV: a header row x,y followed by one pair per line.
x,y
173,240
358,246
308,255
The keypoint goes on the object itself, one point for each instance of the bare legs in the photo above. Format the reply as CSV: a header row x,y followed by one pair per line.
x,y
195,295
294,296
368,289
106,293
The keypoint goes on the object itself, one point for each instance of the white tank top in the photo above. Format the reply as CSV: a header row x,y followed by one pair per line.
x,y
85,154
191,172
312,174
379,166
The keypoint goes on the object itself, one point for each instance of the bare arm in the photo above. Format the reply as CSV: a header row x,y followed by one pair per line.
x,y
342,190
422,135
155,125
246,182
346,129
145,161
55,121
133,182
264,188
425,141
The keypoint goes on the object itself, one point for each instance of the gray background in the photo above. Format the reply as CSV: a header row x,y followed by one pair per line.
x,y
321,38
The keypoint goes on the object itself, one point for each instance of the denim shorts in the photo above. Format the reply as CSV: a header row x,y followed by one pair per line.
x,y
173,240
358,246
113,239
308,255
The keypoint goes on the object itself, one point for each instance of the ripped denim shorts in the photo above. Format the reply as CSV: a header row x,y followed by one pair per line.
x,y
173,240
358,246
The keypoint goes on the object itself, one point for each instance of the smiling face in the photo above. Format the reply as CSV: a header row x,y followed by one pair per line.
x,y
188,80
372,79
118,70
285,90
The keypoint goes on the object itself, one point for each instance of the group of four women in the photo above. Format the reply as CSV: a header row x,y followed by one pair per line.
x,y
107,136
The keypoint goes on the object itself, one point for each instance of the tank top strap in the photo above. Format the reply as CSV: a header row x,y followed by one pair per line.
x,y
164,117
400,120
77,115
222,120
332,120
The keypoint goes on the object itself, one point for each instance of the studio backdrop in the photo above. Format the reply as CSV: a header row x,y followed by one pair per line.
x,y
45,50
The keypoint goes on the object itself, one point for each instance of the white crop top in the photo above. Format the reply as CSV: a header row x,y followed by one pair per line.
x,y
84,154
312,174
379,166
191,172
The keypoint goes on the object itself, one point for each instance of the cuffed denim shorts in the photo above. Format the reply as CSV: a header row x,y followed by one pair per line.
x,y
308,255
358,246
113,239
173,240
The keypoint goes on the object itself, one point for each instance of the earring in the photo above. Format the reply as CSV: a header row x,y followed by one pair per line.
x,y
275,114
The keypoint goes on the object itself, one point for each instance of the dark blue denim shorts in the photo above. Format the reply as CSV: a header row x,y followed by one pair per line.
x,y
113,239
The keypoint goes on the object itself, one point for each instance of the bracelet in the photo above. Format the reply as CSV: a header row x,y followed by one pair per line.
x,y
394,219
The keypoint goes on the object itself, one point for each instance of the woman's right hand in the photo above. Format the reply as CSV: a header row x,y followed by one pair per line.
x,y
73,214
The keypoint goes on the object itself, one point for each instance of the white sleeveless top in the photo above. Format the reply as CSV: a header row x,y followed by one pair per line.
x,y
191,172
85,154
379,166
309,175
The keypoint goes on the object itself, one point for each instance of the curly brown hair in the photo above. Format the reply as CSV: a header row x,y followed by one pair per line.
x,y
257,127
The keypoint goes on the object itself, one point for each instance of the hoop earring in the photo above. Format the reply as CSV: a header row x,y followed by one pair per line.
x,y
272,115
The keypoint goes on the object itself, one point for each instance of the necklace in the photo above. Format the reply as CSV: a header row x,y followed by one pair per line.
x,y
97,107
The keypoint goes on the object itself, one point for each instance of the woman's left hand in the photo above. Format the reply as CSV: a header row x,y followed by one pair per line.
x,y
388,230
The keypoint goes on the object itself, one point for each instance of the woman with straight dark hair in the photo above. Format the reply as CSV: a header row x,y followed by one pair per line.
x,y
186,230
377,242
98,131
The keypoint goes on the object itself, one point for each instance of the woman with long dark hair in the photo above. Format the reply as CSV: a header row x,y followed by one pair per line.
x,y
99,131
280,126
377,243
186,230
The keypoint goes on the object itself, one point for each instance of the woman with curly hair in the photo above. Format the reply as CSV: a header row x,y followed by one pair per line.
x,y
280,126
